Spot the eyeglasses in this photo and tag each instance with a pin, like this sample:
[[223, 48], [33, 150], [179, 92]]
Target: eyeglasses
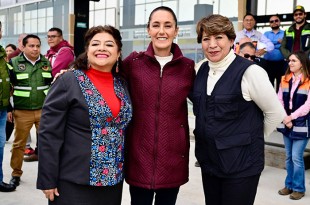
[[246, 55], [274, 21], [298, 14], [51, 36]]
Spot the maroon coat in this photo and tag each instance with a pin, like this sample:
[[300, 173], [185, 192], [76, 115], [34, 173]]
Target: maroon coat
[[158, 137]]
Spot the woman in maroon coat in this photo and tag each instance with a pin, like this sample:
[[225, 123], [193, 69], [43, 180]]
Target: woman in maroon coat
[[160, 80]]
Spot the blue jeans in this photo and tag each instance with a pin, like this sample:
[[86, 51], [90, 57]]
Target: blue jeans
[[2, 139], [295, 167]]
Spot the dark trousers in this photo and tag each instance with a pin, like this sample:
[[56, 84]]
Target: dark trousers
[[140, 196], [75, 194], [275, 70], [229, 191]]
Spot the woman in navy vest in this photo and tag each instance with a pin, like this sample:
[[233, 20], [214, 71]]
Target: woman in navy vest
[[294, 96], [235, 107]]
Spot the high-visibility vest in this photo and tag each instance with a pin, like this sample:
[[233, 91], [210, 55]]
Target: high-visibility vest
[[4, 81], [31, 82]]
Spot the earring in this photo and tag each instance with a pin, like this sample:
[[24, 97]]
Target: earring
[[117, 66]]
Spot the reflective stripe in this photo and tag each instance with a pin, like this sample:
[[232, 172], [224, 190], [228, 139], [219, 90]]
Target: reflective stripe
[[305, 32], [46, 75], [285, 90], [281, 126], [42, 87], [300, 129], [22, 76], [22, 88], [9, 66], [0, 80], [46, 91], [304, 92], [7, 79], [21, 93]]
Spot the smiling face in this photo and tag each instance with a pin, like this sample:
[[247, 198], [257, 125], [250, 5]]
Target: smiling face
[[294, 64], [299, 17], [162, 29], [216, 47], [102, 52]]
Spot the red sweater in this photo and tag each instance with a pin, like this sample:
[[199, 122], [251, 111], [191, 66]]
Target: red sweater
[[104, 83]]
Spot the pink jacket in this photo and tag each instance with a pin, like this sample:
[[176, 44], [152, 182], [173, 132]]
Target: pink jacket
[[60, 56], [157, 149]]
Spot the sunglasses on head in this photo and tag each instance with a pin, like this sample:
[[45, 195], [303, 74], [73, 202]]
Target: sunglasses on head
[[272, 21], [298, 14], [249, 56]]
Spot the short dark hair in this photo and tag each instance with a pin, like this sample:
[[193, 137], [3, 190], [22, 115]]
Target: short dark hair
[[81, 61], [11, 45], [249, 44], [25, 40], [249, 14], [58, 30]]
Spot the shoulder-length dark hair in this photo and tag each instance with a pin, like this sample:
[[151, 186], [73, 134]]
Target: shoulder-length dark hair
[[305, 63], [81, 62]]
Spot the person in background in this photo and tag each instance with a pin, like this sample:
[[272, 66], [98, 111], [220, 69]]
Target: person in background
[[4, 97], [294, 96], [83, 126], [61, 53], [247, 50], [10, 120], [19, 48], [275, 63], [297, 36], [261, 43], [235, 107], [159, 79], [30, 75], [10, 48]]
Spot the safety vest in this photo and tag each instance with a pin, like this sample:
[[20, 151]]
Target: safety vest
[[4, 81], [304, 38], [300, 129], [31, 82]]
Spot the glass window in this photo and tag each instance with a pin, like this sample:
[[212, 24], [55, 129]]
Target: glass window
[[111, 4], [171, 4], [140, 15], [91, 19], [7, 2], [188, 6], [99, 18], [100, 4], [270, 7], [3, 24], [110, 13], [149, 9]]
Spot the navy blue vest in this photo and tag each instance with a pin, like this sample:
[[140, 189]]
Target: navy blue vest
[[229, 130]]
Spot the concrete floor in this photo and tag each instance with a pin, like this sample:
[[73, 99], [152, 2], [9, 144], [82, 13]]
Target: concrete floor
[[191, 193]]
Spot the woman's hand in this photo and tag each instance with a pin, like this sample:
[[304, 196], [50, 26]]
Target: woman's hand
[[51, 193], [287, 119], [289, 125], [59, 74]]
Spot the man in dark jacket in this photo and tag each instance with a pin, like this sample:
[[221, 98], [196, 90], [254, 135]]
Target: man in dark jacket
[[297, 36]]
